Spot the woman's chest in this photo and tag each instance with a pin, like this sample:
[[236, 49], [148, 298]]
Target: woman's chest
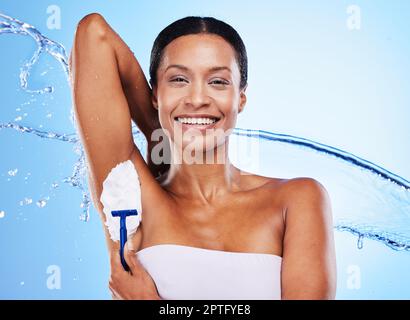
[[236, 224]]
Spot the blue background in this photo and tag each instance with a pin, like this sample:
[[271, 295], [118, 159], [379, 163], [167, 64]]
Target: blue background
[[309, 76]]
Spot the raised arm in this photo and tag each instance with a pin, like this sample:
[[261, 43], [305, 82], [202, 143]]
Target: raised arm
[[137, 92], [102, 69], [309, 263]]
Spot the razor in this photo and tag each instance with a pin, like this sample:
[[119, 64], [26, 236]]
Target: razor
[[123, 214]]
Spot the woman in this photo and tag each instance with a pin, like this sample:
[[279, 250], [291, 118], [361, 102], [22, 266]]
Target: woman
[[209, 230]]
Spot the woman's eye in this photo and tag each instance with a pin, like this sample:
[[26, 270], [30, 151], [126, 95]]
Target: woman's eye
[[219, 82], [178, 79]]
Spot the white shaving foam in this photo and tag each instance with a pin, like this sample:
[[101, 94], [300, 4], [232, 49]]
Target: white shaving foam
[[121, 191]]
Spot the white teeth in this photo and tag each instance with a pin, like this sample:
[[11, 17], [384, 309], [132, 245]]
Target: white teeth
[[196, 120]]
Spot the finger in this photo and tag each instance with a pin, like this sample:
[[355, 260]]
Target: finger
[[115, 260], [115, 295], [131, 258]]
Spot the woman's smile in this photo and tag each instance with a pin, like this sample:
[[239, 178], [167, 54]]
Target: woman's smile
[[197, 121]]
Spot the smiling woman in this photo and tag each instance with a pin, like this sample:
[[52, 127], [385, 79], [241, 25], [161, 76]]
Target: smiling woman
[[209, 230]]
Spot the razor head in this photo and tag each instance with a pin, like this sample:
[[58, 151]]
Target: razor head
[[124, 213]]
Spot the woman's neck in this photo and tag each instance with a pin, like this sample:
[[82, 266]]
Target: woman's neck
[[203, 182]]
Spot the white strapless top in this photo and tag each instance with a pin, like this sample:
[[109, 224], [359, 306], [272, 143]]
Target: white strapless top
[[182, 272]]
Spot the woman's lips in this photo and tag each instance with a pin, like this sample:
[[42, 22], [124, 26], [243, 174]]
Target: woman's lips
[[201, 127]]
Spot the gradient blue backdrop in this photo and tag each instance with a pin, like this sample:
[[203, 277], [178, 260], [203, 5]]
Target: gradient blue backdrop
[[309, 76]]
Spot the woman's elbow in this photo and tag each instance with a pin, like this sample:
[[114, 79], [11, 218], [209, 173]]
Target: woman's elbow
[[93, 26], [90, 31]]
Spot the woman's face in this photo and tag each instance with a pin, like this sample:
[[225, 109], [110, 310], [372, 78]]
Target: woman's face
[[198, 78]]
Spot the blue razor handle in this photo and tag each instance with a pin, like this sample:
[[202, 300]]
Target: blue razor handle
[[123, 214]]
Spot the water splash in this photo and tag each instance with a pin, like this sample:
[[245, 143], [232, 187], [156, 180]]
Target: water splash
[[368, 201], [26, 201], [44, 44], [42, 203]]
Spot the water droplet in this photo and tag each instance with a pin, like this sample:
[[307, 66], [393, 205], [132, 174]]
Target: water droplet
[[360, 242], [26, 201], [18, 109], [49, 115], [18, 118], [41, 203], [80, 259], [25, 115], [22, 283], [12, 172], [2, 214], [54, 185], [83, 217]]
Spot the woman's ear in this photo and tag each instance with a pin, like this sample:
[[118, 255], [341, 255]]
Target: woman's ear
[[242, 101], [154, 99]]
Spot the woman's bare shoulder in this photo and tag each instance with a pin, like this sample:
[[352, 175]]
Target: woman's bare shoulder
[[304, 194], [290, 190], [302, 185], [255, 181], [301, 182]]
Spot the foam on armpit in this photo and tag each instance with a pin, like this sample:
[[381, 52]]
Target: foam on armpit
[[121, 191]]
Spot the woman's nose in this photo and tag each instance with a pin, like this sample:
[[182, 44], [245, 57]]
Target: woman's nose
[[198, 95]]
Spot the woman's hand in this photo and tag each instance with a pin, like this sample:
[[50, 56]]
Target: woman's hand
[[134, 285]]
